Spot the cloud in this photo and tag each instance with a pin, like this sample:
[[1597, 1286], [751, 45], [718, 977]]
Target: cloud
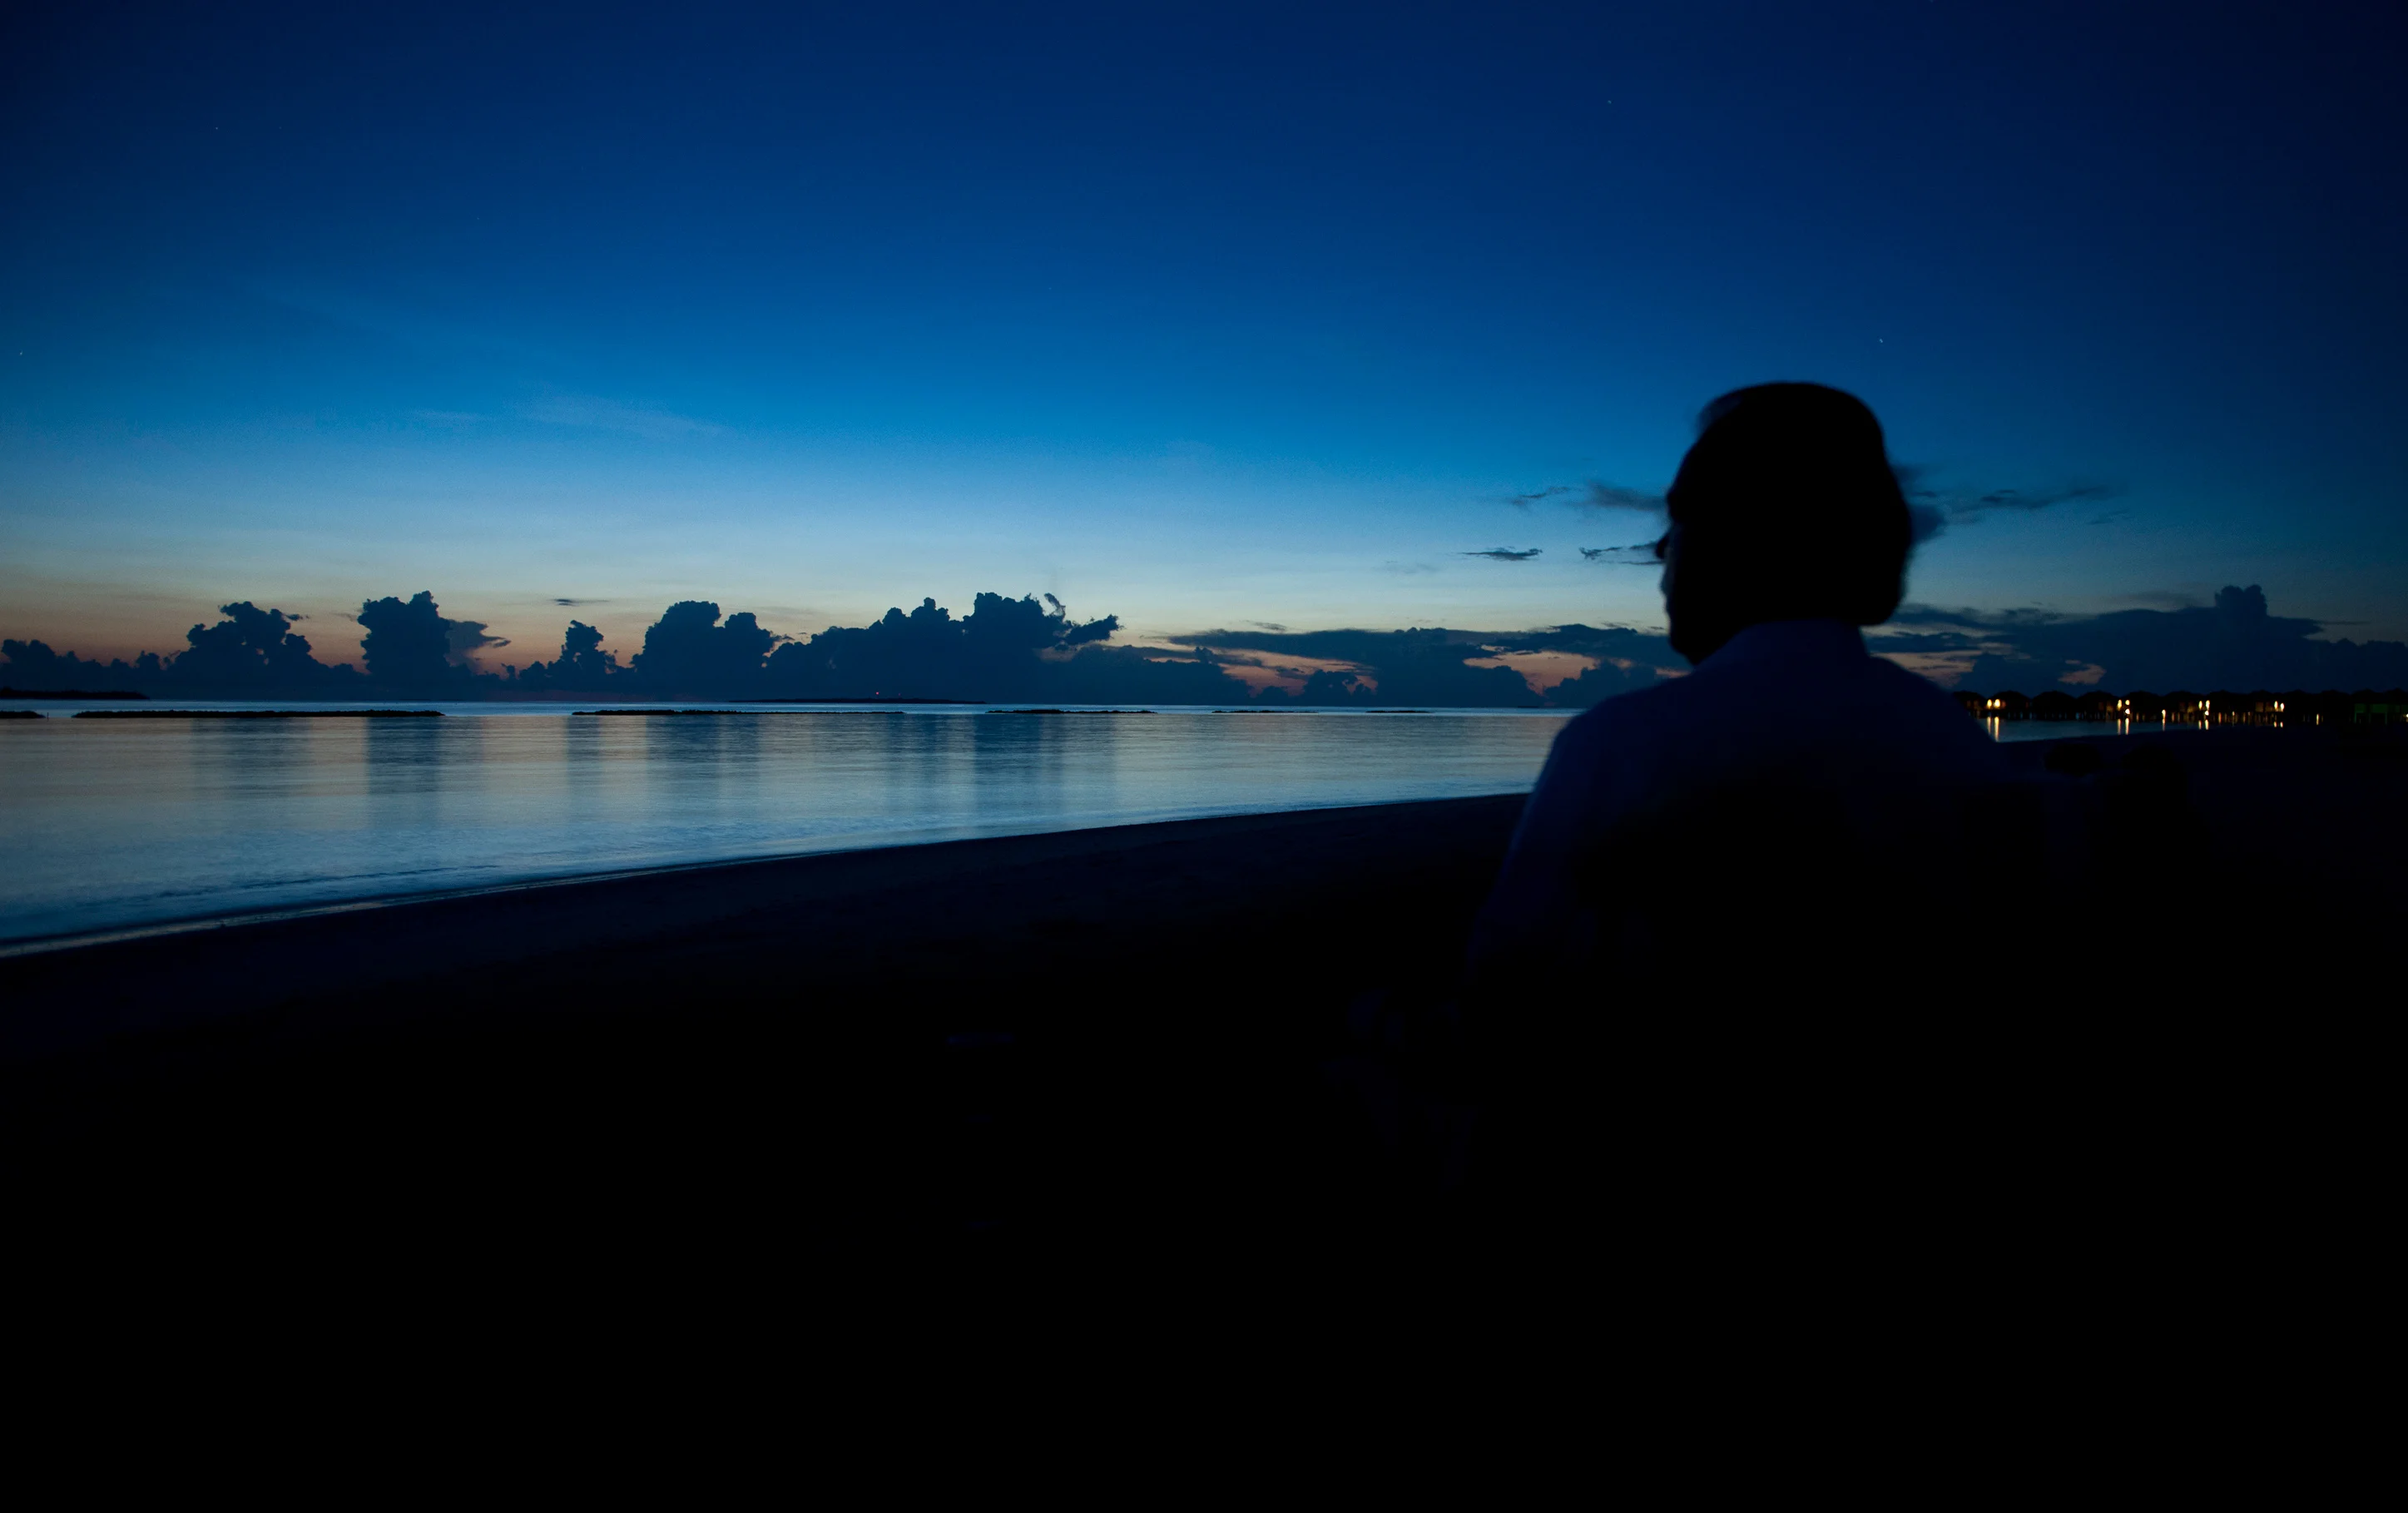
[[582, 666], [2009, 499], [1641, 555], [34, 666], [1443, 668], [688, 651], [1593, 495], [1375, 667], [1926, 518], [573, 603], [1506, 554], [465, 637], [592, 412], [1035, 649], [2234, 643], [1604, 496], [410, 646], [1932, 510], [1017, 649]]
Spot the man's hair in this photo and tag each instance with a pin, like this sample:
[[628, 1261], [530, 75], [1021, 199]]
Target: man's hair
[[1788, 509]]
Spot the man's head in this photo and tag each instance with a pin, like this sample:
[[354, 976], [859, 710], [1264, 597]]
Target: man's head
[[1786, 509]]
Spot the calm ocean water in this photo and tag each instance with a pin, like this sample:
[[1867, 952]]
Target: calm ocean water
[[110, 824], [107, 824]]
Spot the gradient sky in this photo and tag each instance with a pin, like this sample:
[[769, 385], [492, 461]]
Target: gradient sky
[[1203, 316]]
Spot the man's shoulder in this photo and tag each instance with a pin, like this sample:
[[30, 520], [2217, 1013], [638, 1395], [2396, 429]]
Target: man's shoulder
[[1624, 714], [1898, 683], [1910, 684], [1874, 701], [1936, 714]]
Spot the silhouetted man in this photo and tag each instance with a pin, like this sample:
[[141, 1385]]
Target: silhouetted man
[[1706, 992], [1728, 809]]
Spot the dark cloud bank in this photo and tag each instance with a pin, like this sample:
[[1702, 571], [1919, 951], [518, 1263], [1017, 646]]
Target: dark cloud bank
[[1029, 649], [2234, 643]]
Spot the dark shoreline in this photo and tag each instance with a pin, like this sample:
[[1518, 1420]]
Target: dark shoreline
[[2284, 807], [1026, 1034], [534, 919], [902, 1032]]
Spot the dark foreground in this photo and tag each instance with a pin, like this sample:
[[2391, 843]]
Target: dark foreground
[[964, 1042], [1098, 1037]]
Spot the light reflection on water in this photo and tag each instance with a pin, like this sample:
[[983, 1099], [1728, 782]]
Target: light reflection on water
[[106, 823], [111, 823], [2060, 729]]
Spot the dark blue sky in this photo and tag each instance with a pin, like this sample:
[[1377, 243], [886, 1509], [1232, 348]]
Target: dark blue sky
[[1200, 316]]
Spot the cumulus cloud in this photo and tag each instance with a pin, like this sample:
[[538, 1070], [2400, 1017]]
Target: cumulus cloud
[[410, 646], [1032, 648], [1004, 648], [689, 651], [465, 637], [36, 667], [582, 666]]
